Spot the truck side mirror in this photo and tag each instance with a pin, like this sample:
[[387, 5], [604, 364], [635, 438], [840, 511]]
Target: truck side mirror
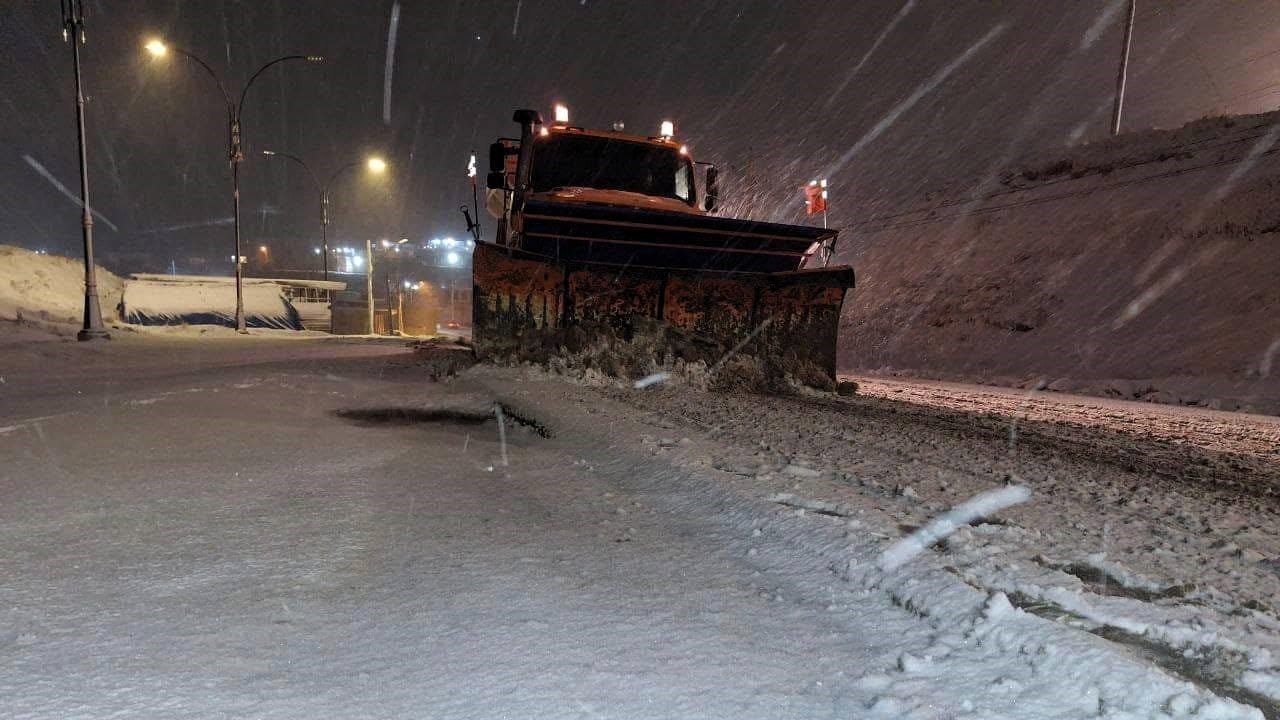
[[713, 189], [497, 157], [496, 180]]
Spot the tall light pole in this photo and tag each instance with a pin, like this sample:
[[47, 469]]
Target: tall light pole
[[73, 32], [234, 109], [1122, 76], [375, 165], [368, 280]]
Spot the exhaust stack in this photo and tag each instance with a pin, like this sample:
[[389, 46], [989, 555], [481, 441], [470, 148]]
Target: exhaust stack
[[528, 120]]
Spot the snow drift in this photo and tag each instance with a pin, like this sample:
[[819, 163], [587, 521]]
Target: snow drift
[[48, 290], [1143, 267]]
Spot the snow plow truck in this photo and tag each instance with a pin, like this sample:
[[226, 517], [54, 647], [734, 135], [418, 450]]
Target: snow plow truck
[[606, 248]]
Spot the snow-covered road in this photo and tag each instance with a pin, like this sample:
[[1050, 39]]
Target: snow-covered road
[[287, 528]]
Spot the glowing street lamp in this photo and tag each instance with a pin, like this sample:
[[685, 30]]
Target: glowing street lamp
[[374, 164], [159, 49]]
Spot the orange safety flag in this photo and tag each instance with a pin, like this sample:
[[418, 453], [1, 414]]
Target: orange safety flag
[[815, 198]]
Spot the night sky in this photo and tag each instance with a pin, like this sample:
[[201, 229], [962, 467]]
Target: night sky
[[891, 98]]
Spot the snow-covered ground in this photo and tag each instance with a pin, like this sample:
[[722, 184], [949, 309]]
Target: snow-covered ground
[[1151, 527], [245, 526]]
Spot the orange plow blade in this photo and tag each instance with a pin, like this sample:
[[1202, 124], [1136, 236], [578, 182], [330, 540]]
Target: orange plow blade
[[635, 321]]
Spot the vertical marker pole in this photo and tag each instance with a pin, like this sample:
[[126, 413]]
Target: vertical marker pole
[[502, 433], [823, 183], [826, 251]]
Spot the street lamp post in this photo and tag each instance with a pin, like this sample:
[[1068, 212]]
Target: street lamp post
[[375, 165], [236, 156], [73, 32]]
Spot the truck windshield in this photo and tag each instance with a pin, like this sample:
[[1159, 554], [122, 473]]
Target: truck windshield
[[562, 160]]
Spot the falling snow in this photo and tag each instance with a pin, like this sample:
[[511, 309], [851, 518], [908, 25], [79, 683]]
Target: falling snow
[[291, 524]]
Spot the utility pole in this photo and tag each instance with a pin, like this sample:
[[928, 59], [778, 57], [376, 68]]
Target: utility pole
[[1122, 77], [368, 278], [324, 229], [73, 32], [386, 282]]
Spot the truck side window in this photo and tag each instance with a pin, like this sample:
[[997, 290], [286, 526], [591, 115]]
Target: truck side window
[[683, 183]]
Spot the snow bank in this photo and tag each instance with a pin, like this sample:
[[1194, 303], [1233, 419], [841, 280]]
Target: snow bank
[[653, 353], [953, 648], [212, 301], [48, 290], [1168, 571]]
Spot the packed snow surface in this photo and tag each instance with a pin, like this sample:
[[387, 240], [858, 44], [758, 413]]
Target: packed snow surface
[[241, 526]]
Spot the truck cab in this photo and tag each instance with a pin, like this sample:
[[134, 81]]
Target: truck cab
[[572, 164], [580, 166]]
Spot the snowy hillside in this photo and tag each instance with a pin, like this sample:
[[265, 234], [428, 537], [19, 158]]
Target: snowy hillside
[[48, 290], [1143, 267]]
